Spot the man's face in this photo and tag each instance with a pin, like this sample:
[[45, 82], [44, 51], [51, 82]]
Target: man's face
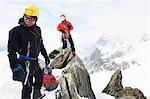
[[62, 18], [29, 20]]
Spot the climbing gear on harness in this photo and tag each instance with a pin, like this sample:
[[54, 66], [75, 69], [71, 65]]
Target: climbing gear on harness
[[58, 94], [27, 64]]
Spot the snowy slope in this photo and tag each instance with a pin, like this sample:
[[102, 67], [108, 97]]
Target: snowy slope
[[10, 89], [135, 76], [135, 55]]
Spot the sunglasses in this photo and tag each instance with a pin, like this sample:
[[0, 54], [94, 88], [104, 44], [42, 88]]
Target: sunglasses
[[30, 18]]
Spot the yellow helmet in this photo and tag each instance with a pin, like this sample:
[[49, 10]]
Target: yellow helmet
[[32, 10]]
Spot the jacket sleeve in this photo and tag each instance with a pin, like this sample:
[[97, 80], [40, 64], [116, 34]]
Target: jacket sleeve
[[13, 47], [71, 27], [43, 50], [59, 27]]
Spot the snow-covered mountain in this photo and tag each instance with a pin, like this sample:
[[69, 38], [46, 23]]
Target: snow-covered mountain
[[132, 58], [145, 37], [110, 55]]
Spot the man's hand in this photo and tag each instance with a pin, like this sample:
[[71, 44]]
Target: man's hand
[[68, 26], [61, 30], [18, 73], [47, 60]]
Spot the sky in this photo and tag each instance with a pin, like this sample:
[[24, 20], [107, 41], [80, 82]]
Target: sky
[[121, 20]]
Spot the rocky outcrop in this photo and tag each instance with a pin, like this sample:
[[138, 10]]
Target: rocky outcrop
[[75, 80], [115, 84], [61, 60], [115, 88]]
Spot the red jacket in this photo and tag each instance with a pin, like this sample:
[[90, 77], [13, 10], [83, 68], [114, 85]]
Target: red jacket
[[64, 26]]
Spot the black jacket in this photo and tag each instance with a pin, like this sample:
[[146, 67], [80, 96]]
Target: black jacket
[[19, 39]]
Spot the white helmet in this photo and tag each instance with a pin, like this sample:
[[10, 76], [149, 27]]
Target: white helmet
[[62, 17]]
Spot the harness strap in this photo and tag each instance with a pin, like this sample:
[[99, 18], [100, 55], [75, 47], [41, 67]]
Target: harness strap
[[27, 57]]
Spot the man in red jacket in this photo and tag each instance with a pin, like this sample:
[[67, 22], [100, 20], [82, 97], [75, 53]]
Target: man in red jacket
[[64, 27]]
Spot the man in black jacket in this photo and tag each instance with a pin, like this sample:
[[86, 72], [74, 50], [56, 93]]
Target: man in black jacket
[[26, 41]]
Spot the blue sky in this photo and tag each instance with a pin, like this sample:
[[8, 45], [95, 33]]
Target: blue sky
[[122, 20]]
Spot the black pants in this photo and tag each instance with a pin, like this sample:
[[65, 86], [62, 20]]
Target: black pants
[[36, 72], [70, 41]]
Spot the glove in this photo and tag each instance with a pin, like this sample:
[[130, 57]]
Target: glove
[[68, 26], [19, 73], [47, 60], [47, 70]]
